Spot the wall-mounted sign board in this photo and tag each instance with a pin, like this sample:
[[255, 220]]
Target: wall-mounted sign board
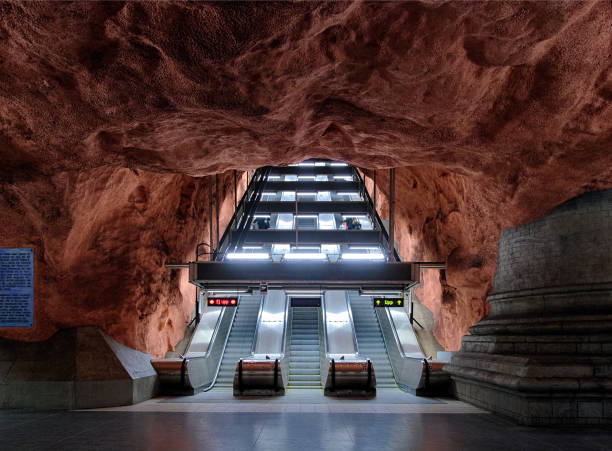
[[388, 302], [223, 302], [17, 287]]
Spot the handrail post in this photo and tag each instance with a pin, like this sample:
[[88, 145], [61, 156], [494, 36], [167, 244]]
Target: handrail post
[[240, 376], [374, 181], [333, 375], [369, 373], [392, 214], [276, 375], [183, 370], [210, 219]]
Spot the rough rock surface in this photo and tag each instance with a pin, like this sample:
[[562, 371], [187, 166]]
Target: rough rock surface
[[110, 112]]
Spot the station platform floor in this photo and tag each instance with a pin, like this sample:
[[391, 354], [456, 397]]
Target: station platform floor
[[302, 420]]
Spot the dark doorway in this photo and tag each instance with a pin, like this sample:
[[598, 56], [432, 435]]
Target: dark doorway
[[306, 302]]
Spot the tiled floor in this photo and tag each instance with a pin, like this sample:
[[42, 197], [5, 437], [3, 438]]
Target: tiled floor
[[216, 421]]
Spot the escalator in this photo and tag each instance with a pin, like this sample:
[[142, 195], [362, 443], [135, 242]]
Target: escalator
[[240, 341], [370, 340], [304, 371], [294, 230]]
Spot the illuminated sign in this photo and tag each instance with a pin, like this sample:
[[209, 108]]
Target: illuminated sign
[[223, 302], [388, 302]]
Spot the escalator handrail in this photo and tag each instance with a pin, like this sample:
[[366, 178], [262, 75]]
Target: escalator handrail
[[284, 339], [350, 314], [262, 301]]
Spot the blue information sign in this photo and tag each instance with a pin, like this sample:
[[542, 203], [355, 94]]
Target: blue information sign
[[17, 287]]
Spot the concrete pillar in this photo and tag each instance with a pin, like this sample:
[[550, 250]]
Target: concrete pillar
[[544, 354]]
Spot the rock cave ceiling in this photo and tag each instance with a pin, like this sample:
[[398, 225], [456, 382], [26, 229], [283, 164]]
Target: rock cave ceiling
[[112, 114]]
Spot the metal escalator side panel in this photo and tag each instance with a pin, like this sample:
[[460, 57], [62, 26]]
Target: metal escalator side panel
[[408, 370], [407, 339], [202, 337], [270, 327], [180, 376], [339, 330]]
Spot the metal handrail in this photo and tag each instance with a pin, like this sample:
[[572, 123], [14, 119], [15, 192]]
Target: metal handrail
[[324, 317], [258, 184], [375, 214], [283, 345], [213, 337], [262, 301], [350, 314], [239, 210], [214, 379]]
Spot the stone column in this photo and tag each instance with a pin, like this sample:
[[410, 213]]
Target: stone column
[[544, 354]]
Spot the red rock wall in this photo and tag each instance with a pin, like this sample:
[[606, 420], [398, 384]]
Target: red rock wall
[[495, 111], [101, 240]]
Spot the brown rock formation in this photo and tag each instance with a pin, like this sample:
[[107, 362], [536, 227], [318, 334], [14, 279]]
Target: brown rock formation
[[110, 113]]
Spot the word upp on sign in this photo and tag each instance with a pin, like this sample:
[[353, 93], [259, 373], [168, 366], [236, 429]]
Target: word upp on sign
[[388, 302]]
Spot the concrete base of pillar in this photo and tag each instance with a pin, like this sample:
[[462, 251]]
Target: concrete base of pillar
[[77, 368], [543, 409]]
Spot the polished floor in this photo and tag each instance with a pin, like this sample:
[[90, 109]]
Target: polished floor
[[300, 421]]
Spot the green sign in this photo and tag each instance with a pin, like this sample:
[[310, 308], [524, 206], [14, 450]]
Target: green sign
[[388, 302]]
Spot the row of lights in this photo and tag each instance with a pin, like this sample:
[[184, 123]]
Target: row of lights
[[374, 256]]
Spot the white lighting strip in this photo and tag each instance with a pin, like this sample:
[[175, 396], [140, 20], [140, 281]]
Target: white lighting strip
[[269, 193], [261, 216], [247, 256], [353, 193], [274, 177], [306, 194], [306, 164], [338, 164], [363, 256], [252, 247], [305, 256], [355, 216], [348, 178], [365, 248]]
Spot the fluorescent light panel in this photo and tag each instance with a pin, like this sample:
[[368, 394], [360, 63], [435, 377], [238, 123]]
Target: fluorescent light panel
[[248, 256], [363, 256], [305, 256]]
